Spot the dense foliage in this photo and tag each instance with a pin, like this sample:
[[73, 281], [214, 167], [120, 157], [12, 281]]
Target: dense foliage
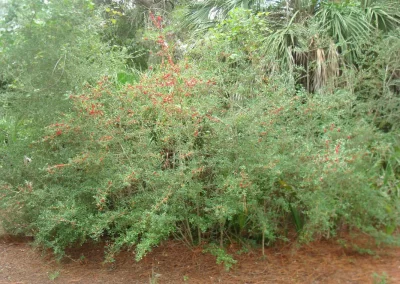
[[260, 128], [54, 47]]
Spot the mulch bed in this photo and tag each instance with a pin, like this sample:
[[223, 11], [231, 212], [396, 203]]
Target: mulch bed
[[324, 261]]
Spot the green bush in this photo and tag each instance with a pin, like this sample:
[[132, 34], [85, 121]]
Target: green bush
[[172, 155], [165, 156]]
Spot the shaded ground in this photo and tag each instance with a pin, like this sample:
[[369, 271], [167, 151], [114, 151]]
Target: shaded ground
[[319, 262]]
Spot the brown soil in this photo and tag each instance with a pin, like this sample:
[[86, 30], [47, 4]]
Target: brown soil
[[172, 262]]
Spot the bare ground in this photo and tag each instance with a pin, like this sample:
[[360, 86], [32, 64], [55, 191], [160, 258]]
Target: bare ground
[[318, 262]]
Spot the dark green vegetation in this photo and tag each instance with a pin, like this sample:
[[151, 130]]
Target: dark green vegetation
[[259, 121]]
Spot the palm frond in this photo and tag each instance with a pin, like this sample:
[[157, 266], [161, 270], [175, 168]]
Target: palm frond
[[347, 25], [333, 62], [320, 72], [282, 43], [383, 17], [205, 14]]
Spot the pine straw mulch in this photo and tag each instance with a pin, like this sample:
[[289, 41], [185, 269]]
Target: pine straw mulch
[[324, 261]]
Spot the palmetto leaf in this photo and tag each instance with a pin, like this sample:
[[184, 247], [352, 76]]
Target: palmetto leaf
[[383, 17], [347, 25], [281, 44], [204, 14]]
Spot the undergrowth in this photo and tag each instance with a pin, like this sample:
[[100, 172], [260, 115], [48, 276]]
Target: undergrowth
[[173, 155]]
